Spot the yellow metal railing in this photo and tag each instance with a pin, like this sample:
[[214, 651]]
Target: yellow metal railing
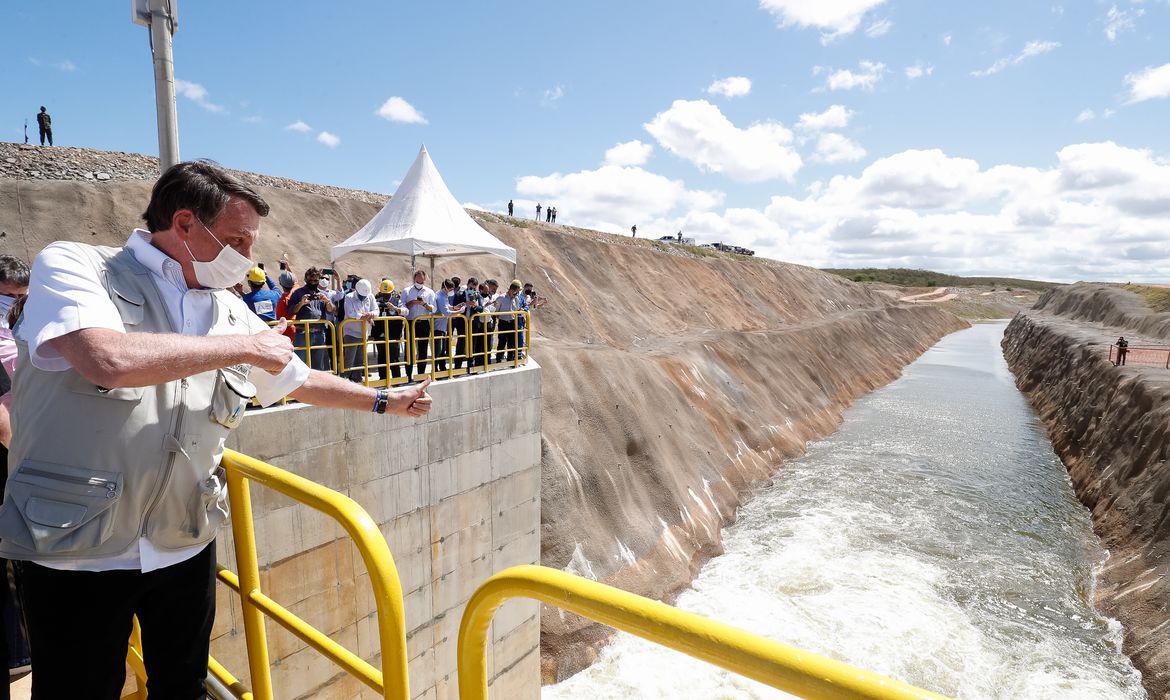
[[312, 353], [783, 667], [391, 681]]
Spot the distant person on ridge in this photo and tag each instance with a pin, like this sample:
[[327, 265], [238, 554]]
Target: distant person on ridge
[[45, 122], [1122, 351], [538, 212], [634, 231], [509, 207], [554, 218], [548, 215]]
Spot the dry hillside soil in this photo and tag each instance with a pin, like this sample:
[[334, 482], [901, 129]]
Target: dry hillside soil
[[1111, 427], [674, 382]]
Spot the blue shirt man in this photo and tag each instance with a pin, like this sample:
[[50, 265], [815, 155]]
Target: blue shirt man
[[263, 297]]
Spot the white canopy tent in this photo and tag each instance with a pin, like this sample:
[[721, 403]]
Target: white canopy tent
[[424, 219]]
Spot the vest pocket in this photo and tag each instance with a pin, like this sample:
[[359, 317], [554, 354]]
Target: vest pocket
[[59, 508], [231, 393], [80, 385]]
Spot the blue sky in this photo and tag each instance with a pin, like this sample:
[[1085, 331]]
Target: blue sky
[[1023, 138]]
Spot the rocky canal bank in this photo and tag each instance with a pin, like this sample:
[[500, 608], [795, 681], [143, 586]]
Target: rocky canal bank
[[1111, 427]]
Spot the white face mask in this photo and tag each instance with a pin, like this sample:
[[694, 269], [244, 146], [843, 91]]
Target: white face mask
[[223, 271], [6, 303], [418, 286]]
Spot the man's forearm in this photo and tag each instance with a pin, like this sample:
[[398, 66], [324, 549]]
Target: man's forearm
[[324, 389], [111, 359]]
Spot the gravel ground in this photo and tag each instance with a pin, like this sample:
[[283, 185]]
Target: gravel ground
[[29, 162]]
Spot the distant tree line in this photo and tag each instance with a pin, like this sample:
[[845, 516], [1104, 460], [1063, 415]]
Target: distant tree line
[[904, 277]]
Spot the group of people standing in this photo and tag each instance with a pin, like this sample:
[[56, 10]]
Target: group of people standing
[[433, 318], [550, 213]]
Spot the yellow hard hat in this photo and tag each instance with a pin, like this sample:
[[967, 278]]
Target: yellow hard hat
[[517, 283], [256, 275], [386, 287]]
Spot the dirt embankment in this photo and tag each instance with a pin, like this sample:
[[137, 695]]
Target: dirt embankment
[[674, 383], [1111, 427]]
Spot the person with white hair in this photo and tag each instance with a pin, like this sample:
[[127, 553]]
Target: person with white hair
[[419, 300], [358, 304]]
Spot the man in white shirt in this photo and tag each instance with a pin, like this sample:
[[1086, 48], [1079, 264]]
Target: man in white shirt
[[419, 300], [360, 307], [86, 335]]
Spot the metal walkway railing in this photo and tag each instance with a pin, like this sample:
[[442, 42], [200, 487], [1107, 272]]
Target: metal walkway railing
[[781, 666]]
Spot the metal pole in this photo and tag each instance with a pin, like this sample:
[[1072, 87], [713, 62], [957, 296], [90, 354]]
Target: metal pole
[[161, 22]]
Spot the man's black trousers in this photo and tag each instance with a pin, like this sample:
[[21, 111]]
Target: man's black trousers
[[79, 623]]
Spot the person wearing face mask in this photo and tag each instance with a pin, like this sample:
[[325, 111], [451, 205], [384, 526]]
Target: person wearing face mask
[[419, 300], [14, 274], [359, 304], [311, 303], [147, 360]]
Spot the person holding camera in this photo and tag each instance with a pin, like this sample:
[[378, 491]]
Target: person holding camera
[[387, 333], [419, 300], [311, 303]]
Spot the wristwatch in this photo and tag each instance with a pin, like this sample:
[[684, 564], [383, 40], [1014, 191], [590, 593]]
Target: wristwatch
[[381, 400]]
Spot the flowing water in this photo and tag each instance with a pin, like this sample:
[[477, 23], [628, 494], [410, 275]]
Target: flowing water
[[934, 538]]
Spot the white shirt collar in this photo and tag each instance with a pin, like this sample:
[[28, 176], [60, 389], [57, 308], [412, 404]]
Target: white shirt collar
[[153, 259]]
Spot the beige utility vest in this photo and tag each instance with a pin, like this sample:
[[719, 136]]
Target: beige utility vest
[[90, 469]]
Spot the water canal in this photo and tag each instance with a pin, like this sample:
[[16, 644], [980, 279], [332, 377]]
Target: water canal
[[934, 538]]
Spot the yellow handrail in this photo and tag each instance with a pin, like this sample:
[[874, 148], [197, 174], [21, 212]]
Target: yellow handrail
[[391, 681], [778, 665]]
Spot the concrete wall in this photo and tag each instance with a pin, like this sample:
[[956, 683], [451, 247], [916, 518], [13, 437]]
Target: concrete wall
[[457, 496]]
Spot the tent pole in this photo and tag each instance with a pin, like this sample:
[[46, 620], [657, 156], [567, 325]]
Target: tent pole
[[433, 272], [514, 271]]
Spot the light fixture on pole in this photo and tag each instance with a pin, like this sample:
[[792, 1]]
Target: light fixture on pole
[[161, 16]]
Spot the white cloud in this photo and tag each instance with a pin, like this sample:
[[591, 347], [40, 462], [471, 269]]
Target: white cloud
[[697, 131], [1149, 84], [397, 109], [65, 66], [868, 74], [1032, 48], [34, 61], [835, 18], [1118, 21], [919, 70], [879, 28], [628, 153], [1086, 115], [735, 86], [1100, 211], [612, 197], [947, 39], [328, 139], [299, 127], [252, 119], [835, 117], [197, 94], [835, 148], [553, 94]]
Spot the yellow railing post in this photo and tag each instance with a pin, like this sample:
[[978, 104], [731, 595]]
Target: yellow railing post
[[781, 666], [244, 537], [392, 681]]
